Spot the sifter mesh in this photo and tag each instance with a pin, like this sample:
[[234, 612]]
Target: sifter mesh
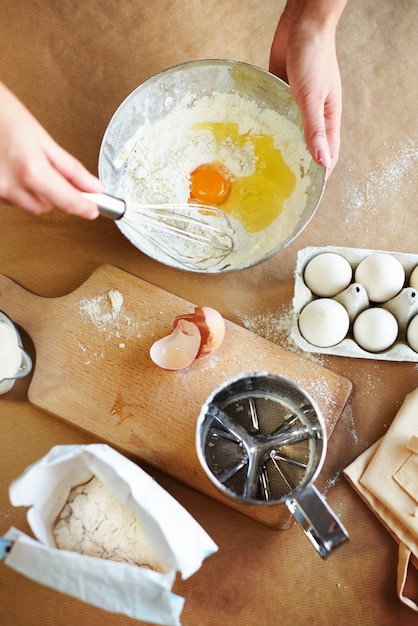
[[259, 444]]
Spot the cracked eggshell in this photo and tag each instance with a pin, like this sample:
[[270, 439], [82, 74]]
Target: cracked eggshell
[[324, 322], [179, 349], [382, 275], [195, 335], [327, 274], [211, 325]]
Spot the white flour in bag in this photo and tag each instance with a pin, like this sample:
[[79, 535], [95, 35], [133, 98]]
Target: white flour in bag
[[158, 168], [94, 522]]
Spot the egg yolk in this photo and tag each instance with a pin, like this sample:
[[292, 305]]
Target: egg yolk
[[209, 185], [255, 200]]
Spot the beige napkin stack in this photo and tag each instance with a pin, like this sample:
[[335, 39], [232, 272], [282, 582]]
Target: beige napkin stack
[[386, 476]]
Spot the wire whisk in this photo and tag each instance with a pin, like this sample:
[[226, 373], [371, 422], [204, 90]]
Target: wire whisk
[[196, 236]]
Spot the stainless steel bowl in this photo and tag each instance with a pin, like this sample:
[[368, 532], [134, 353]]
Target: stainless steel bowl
[[152, 101]]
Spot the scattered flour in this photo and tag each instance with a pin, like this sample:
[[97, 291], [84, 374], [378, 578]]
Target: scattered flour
[[102, 309], [276, 326], [158, 168], [107, 315], [390, 186], [331, 482]]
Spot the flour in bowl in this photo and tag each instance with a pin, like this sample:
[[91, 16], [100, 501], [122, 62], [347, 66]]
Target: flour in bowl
[[159, 167]]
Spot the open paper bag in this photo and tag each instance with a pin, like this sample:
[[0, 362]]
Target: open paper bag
[[178, 541]]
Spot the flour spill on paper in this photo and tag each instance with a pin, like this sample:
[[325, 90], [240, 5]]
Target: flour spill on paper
[[392, 184], [7, 513], [276, 326]]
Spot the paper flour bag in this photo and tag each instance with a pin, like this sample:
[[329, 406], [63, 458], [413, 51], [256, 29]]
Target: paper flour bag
[[106, 533]]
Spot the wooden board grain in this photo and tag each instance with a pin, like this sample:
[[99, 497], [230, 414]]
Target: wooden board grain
[[93, 370]]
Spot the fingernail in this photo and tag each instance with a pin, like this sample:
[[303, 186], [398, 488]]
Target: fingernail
[[323, 157]]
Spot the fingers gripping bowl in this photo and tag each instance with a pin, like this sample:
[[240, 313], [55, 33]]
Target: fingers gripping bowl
[[217, 132]]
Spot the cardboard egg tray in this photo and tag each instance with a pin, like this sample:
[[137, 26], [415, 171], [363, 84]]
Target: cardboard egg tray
[[399, 351]]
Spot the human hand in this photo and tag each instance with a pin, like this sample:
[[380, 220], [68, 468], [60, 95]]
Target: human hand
[[303, 54], [36, 174]]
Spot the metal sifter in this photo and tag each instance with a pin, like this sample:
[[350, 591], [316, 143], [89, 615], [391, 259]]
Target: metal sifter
[[262, 440]]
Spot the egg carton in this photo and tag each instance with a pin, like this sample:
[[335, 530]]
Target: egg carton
[[399, 351]]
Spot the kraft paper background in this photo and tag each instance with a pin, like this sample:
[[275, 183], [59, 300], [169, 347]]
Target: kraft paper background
[[72, 63]]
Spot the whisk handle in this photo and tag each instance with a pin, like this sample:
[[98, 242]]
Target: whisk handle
[[109, 206]]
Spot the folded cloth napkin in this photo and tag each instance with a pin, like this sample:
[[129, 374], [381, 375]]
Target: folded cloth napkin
[[386, 476]]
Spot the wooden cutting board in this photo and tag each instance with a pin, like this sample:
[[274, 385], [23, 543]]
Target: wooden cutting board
[[93, 370]]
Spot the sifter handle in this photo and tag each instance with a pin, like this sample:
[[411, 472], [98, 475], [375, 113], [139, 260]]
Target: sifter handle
[[317, 520]]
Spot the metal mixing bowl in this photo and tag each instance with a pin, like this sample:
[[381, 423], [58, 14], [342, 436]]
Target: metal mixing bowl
[[152, 101]]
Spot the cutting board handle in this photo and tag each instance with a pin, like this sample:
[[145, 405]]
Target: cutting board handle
[[23, 307]]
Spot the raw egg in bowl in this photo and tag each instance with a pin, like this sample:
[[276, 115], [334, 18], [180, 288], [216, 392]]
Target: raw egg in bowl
[[220, 133]]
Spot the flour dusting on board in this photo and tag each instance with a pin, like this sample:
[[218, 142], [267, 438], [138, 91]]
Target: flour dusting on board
[[107, 315], [102, 309]]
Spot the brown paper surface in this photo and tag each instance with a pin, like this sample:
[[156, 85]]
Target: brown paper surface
[[72, 63]]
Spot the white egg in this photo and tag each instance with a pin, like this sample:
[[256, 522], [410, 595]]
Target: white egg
[[412, 333], [382, 275], [324, 322], [413, 281], [375, 329], [327, 274]]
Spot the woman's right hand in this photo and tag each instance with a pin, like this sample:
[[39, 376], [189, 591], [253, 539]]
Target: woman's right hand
[[36, 174]]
